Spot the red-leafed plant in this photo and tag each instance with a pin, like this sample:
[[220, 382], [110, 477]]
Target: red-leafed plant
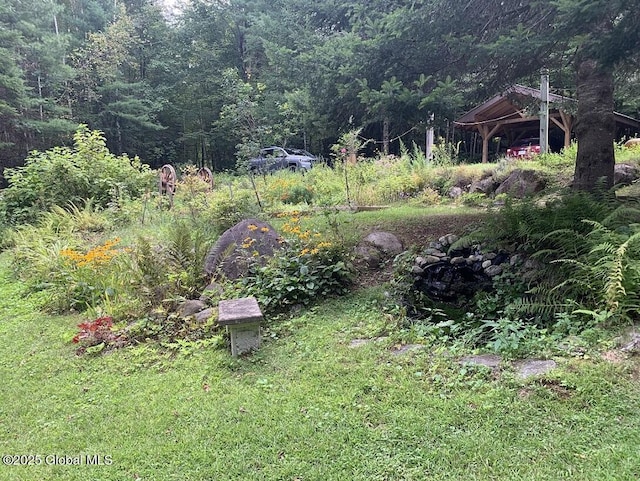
[[96, 333]]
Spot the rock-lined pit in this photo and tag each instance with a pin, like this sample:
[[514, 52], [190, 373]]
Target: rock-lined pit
[[445, 273]]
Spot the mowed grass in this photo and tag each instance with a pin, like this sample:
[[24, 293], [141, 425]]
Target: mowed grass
[[307, 406]]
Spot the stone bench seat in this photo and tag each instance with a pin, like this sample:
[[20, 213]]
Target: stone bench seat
[[242, 319]]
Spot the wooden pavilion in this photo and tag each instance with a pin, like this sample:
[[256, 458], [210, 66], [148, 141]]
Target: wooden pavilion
[[515, 113]]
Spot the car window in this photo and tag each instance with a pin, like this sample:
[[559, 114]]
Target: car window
[[266, 153]]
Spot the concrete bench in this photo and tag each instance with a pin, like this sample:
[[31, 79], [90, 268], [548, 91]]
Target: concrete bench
[[242, 319]]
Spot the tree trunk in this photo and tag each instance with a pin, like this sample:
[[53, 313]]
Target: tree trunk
[[595, 126]]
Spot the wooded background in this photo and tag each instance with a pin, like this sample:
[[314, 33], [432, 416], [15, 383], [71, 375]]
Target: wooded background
[[212, 82]]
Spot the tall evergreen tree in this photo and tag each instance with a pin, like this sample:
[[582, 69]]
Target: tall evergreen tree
[[33, 79]]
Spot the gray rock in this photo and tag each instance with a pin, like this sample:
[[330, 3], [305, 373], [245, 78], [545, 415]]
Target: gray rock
[[399, 350], [377, 247], [531, 264], [458, 260], [386, 242], [236, 249], [428, 260], [521, 183], [455, 192], [420, 261], [189, 308], [484, 186], [489, 360], [632, 343], [532, 367], [516, 259], [369, 255], [358, 343], [490, 256], [204, 316], [417, 270], [625, 174], [452, 239], [447, 240], [486, 264], [493, 271]]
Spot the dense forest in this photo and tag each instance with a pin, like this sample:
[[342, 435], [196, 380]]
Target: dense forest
[[210, 82]]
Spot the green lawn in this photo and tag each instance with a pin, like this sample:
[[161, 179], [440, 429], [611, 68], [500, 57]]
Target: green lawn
[[306, 407]]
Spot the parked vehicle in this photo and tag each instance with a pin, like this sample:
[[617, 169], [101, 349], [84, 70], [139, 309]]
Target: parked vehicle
[[277, 158], [524, 148]]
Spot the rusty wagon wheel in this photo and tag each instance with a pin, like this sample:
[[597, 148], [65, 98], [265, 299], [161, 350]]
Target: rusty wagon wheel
[[207, 176], [168, 179]]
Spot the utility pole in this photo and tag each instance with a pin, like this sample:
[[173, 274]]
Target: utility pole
[[544, 111]]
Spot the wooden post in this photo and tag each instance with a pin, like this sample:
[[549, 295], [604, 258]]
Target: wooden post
[[544, 111], [486, 135], [566, 124]]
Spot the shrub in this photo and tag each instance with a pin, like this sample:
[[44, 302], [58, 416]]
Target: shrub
[[289, 188], [307, 269], [526, 224], [427, 197], [86, 280], [65, 176], [225, 208]]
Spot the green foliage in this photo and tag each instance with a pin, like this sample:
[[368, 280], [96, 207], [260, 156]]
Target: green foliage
[[501, 320], [292, 278], [63, 176], [314, 396], [577, 270], [605, 277], [227, 207], [526, 224], [185, 252], [288, 188], [473, 198], [305, 270], [445, 153]]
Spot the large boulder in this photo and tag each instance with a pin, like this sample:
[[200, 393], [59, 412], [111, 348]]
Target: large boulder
[[521, 183], [249, 241], [632, 144], [484, 186], [377, 247]]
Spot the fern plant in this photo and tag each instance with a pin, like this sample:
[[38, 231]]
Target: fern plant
[[186, 253], [610, 271]]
